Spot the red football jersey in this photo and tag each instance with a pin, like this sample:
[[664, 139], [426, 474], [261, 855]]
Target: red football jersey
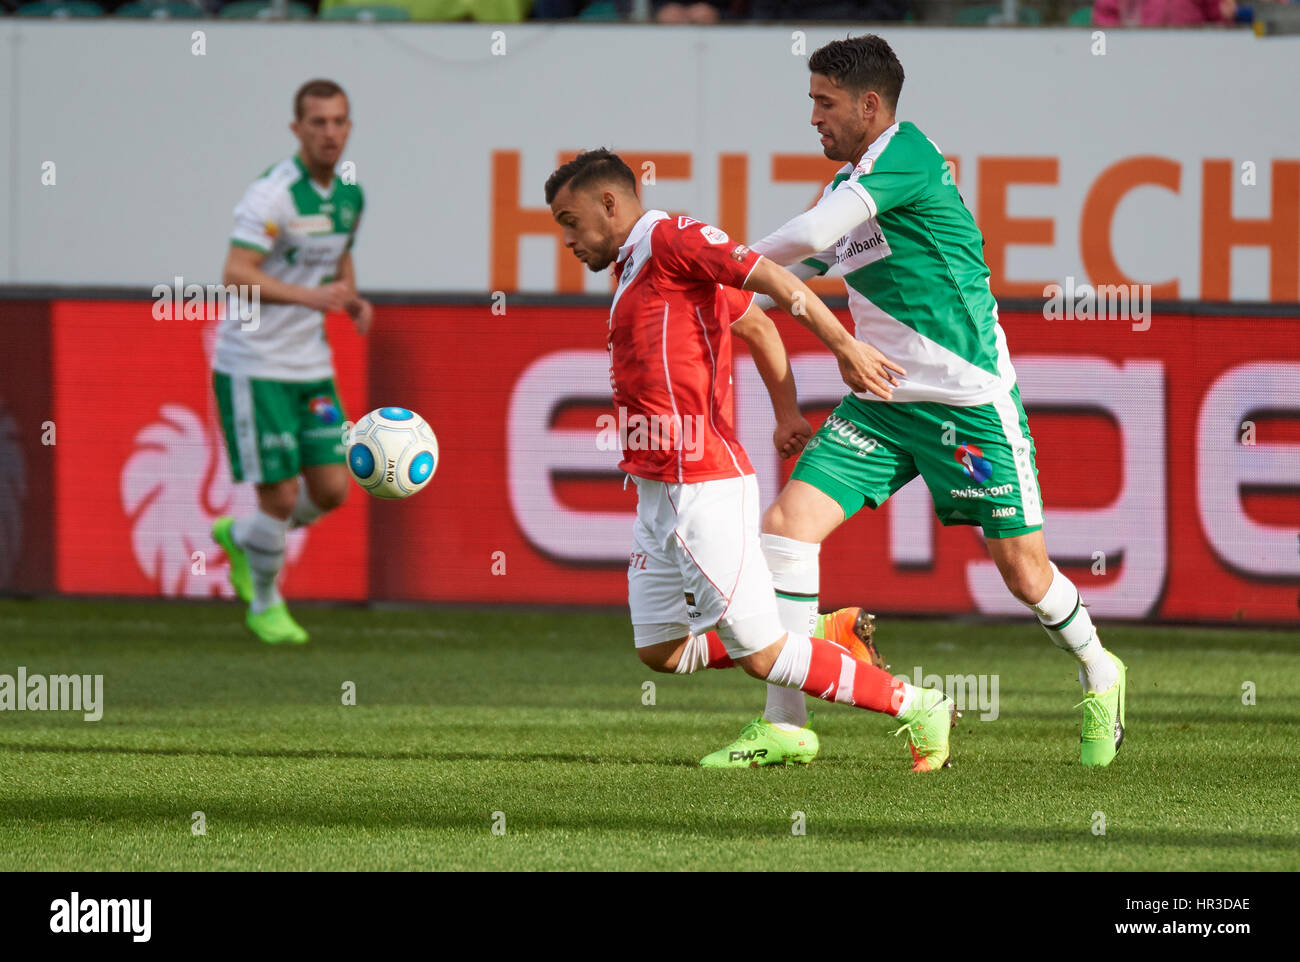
[[670, 349]]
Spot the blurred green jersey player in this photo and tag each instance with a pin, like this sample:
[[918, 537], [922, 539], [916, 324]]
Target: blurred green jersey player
[[273, 373]]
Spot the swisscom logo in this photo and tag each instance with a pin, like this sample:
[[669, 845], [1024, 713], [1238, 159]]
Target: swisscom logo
[[973, 462]]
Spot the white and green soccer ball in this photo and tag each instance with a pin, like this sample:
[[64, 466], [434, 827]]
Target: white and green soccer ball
[[392, 452]]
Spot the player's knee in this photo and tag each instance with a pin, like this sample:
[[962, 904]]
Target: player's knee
[[758, 664], [1028, 583], [330, 498], [278, 500], [656, 657], [775, 519]]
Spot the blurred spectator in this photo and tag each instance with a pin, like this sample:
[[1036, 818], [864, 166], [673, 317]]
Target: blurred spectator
[[693, 11], [1162, 13], [863, 11]]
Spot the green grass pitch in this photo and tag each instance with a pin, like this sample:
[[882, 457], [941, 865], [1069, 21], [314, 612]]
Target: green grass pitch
[[461, 714]]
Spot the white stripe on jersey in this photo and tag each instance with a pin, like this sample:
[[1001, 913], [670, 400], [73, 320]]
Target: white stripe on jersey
[[668, 379], [713, 381]]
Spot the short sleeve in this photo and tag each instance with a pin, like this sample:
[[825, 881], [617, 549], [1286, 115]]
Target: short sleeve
[[699, 252], [257, 218], [735, 302]]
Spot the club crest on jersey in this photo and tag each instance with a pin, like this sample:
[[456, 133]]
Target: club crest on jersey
[[973, 462]]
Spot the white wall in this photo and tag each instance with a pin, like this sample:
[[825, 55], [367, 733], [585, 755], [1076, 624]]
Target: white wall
[[153, 145]]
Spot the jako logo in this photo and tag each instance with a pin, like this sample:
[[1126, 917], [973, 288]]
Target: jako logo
[[102, 916], [973, 462]]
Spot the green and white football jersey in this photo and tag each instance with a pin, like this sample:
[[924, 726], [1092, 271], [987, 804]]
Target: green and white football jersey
[[917, 283], [304, 230]]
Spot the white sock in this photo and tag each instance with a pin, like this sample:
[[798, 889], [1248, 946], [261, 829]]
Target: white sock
[[790, 670], [795, 575], [305, 510], [1066, 622], [262, 538]]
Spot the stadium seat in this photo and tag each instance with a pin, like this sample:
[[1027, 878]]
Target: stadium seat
[[160, 10], [261, 10], [981, 15], [1080, 18], [365, 13], [60, 9]]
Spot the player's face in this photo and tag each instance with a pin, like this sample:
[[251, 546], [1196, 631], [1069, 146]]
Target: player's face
[[323, 130], [586, 224], [837, 115]]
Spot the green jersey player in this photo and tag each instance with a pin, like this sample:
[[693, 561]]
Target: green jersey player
[[273, 373], [950, 410]]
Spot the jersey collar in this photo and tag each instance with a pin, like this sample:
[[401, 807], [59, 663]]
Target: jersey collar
[[638, 232]]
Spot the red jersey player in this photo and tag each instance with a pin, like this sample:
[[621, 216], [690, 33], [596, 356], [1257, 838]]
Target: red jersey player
[[697, 561]]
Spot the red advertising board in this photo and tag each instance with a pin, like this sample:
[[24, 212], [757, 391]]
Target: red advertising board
[[1169, 461], [141, 470]]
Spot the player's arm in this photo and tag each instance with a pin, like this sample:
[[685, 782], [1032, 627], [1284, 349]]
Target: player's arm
[[861, 365], [814, 232], [358, 308], [244, 267], [766, 347]]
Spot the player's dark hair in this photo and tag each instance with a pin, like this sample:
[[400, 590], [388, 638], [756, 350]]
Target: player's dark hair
[[315, 88], [598, 166], [860, 64]]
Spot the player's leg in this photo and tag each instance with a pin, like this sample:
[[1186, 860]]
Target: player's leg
[[322, 452], [983, 472], [848, 463], [1042, 587], [729, 581], [325, 488], [260, 423]]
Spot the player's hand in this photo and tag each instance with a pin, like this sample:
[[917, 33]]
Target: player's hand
[[331, 297], [362, 313], [866, 369], [791, 436]]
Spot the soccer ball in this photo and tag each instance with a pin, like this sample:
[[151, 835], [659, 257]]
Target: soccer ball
[[392, 452]]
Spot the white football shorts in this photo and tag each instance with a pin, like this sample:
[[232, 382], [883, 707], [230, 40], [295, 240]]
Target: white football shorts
[[697, 563]]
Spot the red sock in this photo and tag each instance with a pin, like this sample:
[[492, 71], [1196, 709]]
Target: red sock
[[835, 675], [718, 657]]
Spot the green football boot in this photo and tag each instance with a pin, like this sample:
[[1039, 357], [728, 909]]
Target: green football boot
[[241, 578], [928, 724], [1103, 721], [276, 626], [761, 743]]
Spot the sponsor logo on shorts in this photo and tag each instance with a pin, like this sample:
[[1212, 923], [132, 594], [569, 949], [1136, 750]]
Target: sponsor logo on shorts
[[323, 406], [690, 599], [973, 462], [283, 441], [993, 492], [845, 432], [1004, 512]]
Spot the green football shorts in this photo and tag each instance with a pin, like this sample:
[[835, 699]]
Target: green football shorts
[[978, 462], [275, 428]]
